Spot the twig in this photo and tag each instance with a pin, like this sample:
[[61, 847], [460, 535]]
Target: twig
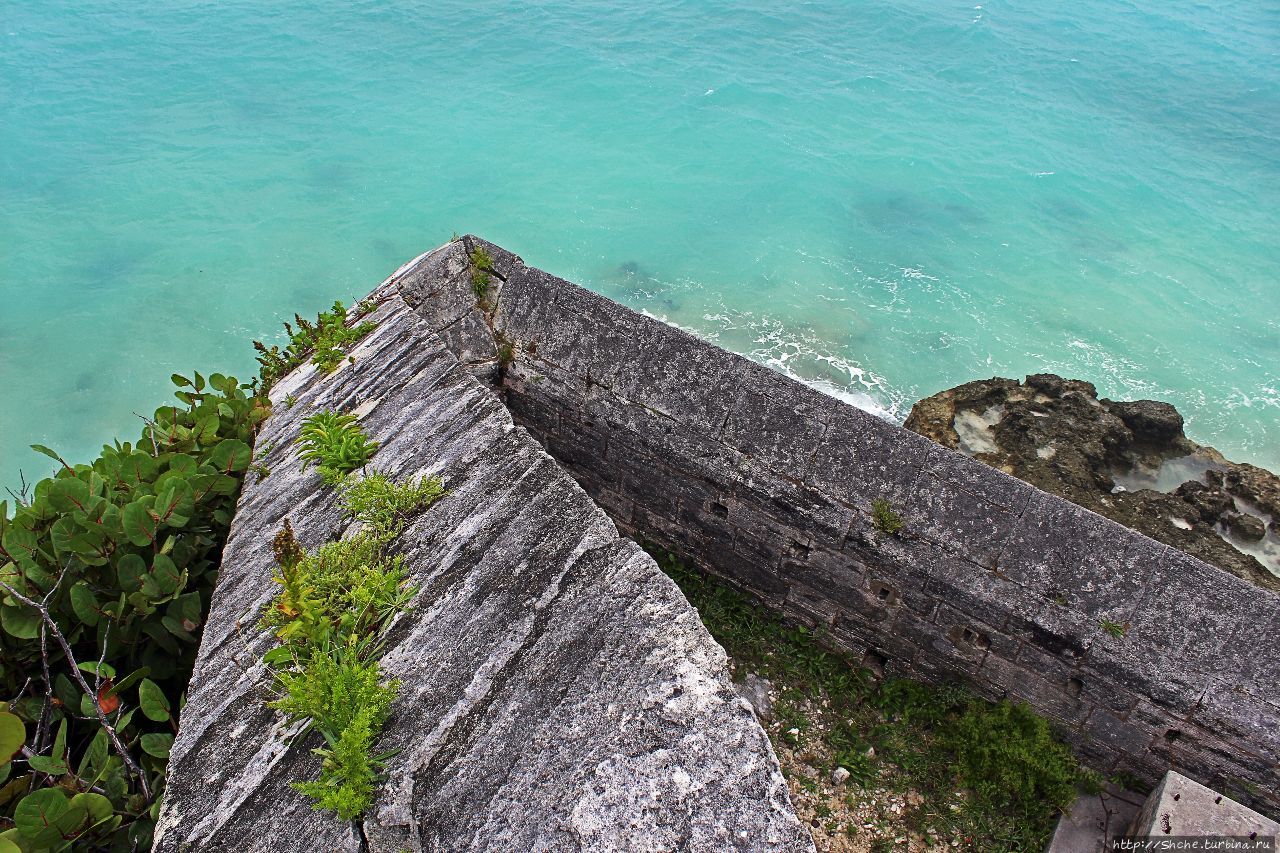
[[155, 448], [42, 726], [20, 496], [84, 685]]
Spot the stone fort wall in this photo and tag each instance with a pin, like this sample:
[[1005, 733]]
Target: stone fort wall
[[1144, 658]]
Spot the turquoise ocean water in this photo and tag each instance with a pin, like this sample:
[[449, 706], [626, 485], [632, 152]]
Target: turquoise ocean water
[[887, 198]]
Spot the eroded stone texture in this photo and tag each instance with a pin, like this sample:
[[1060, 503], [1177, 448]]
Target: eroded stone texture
[[1144, 658], [1182, 806], [1129, 461], [558, 692]]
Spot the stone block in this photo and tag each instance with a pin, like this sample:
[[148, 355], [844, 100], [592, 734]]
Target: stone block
[[775, 420], [861, 458], [1052, 700], [966, 511], [1182, 806], [438, 286]]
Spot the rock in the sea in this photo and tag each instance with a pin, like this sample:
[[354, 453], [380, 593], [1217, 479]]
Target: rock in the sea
[[557, 691], [1150, 420], [1248, 527], [1129, 461]]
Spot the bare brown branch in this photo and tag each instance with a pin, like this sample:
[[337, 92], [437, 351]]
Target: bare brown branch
[[43, 609]]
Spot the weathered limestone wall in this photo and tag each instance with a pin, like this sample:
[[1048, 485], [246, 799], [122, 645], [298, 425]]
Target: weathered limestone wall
[[769, 483], [558, 692]]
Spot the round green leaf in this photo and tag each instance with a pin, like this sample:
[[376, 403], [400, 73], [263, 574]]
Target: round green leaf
[[46, 764], [13, 734], [231, 455], [153, 701], [130, 572], [140, 524], [137, 468], [98, 806], [37, 816], [20, 621], [85, 604], [157, 744], [68, 493], [164, 579], [21, 543], [92, 667], [174, 505]]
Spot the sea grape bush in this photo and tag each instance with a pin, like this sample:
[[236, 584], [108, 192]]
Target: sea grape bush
[[106, 573], [122, 554]]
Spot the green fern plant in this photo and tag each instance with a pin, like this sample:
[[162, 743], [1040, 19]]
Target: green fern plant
[[327, 341], [335, 444], [345, 699], [331, 611]]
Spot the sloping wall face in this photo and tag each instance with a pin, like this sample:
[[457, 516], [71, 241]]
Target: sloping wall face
[[557, 691], [1145, 658]]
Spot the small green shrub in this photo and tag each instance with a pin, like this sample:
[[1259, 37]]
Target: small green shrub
[[376, 501], [331, 610], [481, 274], [345, 699], [884, 519], [327, 341], [1007, 755], [335, 444]]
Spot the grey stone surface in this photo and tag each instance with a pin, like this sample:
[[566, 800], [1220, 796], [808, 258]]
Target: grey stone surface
[[558, 692], [1094, 820], [759, 695], [1182, 806], [769, 484]]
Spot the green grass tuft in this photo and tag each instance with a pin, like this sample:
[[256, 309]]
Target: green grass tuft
[[932, 739], [884, 519], [376, 501], [481, 275]]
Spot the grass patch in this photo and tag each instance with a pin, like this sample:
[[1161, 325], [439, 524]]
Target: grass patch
[[884, 519], [1013, 776], [376, 501], [481, 275]]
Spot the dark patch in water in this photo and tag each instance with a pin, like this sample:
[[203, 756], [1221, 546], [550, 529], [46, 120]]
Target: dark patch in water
[[87, 381], [114, 265]]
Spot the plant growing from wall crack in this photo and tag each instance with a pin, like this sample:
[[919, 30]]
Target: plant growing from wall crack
[[326, 341], [332, 609], [336, 444], [884, 519], [481, 275]]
